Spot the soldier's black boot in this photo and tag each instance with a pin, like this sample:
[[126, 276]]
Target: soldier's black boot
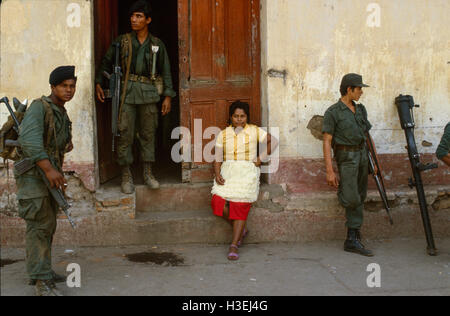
[[353, 243], [57, 278], [46, 288]]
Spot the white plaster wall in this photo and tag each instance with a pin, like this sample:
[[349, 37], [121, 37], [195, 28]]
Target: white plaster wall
[[318, 41], [35, 38]]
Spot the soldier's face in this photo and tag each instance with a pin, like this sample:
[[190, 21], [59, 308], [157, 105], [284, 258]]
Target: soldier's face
[[139, 21], [355, 94], [65, 90], [239, 118]]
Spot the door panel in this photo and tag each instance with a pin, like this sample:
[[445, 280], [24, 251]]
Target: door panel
[[219, 62]]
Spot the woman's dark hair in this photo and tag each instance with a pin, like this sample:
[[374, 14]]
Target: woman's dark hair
[[343, 90], [239, 105], [141, 6]]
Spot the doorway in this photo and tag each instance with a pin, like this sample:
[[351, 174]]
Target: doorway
[[112, 19]]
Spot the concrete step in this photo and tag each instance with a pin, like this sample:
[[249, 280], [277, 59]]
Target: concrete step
[[274, 218], [189, 197], [174, 197], [181, 227]]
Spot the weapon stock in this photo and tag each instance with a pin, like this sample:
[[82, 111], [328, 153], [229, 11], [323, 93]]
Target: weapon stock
[[26, 164], [405, 105]]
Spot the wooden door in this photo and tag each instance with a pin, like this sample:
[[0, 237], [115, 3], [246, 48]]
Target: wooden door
[[219, 64], [106, 30]]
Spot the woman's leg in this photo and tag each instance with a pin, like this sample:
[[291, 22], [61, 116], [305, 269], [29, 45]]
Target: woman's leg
[[226, 215], [238, 228]]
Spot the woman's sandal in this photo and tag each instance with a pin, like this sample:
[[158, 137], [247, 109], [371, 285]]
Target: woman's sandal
[[244, 234], [233, 256]]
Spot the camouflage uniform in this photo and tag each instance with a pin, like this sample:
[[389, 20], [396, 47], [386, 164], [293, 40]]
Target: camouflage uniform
[[36, 205], [139, 112]]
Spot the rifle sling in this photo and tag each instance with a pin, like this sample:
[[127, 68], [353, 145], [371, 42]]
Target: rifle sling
[[51, 129]]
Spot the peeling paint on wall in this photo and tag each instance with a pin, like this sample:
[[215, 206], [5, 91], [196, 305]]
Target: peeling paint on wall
[[317, 43], [35, 39]]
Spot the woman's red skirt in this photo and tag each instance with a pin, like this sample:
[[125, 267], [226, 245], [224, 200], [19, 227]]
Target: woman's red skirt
[[238, 211]]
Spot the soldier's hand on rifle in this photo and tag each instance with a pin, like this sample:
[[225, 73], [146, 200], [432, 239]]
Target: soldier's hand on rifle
[[166, 106], [53, 176], [100, 93]]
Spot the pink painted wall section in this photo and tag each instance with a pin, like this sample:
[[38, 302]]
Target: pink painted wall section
[[85, 171], [309, 175]]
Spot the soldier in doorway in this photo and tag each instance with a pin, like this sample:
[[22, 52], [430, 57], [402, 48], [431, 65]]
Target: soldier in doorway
[[138, 110], [344, 127]]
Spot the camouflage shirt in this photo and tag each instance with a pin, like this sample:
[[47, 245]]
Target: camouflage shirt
[[141, 65], [33, 134]]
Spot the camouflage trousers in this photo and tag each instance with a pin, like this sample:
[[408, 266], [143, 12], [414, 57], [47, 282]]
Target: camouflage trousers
[[40, 216], [353, 172], [140, 121]]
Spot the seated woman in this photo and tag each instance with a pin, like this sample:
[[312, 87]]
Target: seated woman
[[236, 168]]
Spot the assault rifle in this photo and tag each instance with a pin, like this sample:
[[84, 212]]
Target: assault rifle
[[373, 162], [114, 93], [405, 105], [26, 165]]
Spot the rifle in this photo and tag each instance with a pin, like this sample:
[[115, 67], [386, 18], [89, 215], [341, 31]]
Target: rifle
[[16, 122], [373, 162], [114, 92], [405, 105], [26, 164]]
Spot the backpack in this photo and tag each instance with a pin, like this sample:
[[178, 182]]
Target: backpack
[[7, 131]]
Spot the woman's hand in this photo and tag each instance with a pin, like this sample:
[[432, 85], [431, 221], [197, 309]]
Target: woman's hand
[[220, 180]]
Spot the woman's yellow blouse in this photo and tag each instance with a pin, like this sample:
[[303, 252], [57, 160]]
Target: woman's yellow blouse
[[241, 146]]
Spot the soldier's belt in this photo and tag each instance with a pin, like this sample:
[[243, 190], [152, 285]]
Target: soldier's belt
[[142, 79], [351, 148]]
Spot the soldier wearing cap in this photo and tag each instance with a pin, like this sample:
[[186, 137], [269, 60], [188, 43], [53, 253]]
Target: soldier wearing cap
[[45, 135], [143, 56], [443, 150], [344, 128]]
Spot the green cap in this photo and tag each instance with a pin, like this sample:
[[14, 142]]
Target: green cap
[[352, 80]]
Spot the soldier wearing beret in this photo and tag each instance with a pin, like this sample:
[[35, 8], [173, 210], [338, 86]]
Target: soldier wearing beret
[[45, 135], [142, 56], [344, 128], [443, 150]]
